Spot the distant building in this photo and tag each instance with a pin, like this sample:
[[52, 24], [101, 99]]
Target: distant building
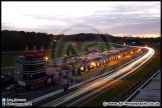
[[132, 40]]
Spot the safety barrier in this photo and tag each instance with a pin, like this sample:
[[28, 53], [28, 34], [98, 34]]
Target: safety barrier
[[139, 84]]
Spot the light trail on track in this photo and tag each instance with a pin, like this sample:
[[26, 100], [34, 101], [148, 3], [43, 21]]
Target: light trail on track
[[92, 85]]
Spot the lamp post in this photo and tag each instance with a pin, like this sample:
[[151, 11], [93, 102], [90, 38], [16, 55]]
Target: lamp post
[[128, 90], [84, 56], [17, 89]]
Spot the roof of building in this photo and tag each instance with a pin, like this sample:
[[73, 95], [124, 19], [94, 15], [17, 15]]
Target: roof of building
[[34, 53]]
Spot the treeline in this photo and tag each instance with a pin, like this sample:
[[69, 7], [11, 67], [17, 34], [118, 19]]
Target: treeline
[[81, 37], [18, 40]]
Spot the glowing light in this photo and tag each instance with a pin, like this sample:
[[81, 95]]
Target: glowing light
[[82, 68], [46, 58], [98, 64], [131, 52], [118, 56], [92, 63], [65, 55]]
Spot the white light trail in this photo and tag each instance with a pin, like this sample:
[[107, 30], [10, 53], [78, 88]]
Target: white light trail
[[78, 92]]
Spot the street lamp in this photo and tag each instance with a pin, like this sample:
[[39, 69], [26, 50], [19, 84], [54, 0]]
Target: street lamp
[[17, 89]]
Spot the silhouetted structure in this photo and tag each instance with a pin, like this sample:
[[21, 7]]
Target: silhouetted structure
[[132, 40]]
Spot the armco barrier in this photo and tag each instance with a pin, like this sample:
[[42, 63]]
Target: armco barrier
[[61, 90], [141, 82]]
